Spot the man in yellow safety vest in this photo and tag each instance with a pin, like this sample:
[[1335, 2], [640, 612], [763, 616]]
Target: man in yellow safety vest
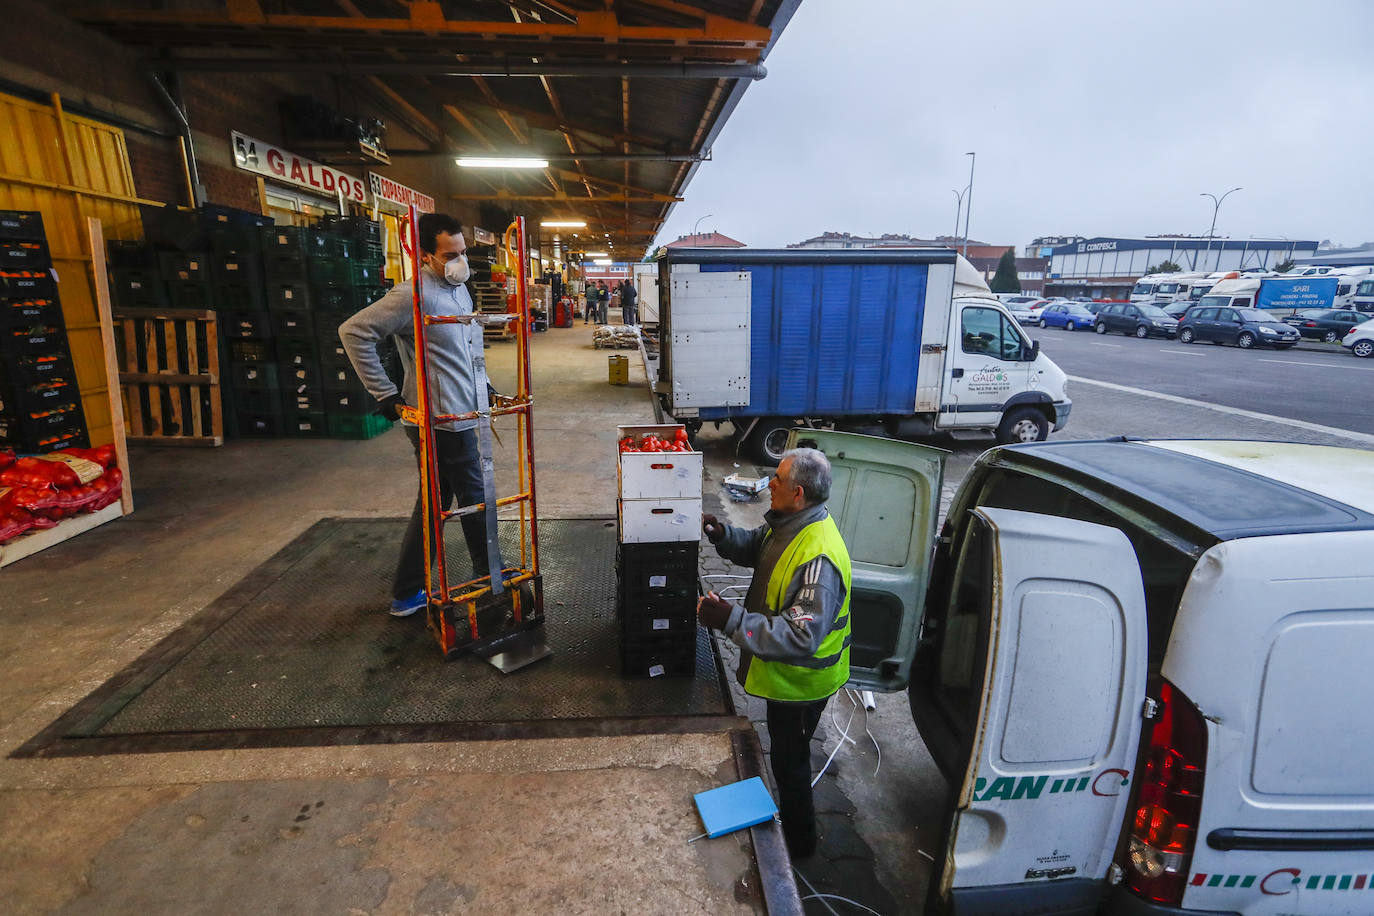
[[793, 628]]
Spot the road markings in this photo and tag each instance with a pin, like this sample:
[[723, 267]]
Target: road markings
[[1096, 344], [1233, 411], [1299, 362], [1182, 353]]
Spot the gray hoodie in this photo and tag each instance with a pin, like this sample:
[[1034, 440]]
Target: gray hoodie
[[450, 347], [811, 604]]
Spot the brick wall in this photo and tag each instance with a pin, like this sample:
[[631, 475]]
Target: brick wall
[[157, 168]]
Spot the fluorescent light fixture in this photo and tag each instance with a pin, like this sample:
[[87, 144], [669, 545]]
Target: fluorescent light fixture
[[563, 224], [597, 254], [479, 162], [603, 262]]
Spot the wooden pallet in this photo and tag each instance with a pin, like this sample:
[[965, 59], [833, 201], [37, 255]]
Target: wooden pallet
[[170, 377]]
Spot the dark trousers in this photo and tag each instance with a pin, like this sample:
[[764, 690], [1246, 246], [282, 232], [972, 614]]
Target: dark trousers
[[460, 474], [627, 314], [790, 727]]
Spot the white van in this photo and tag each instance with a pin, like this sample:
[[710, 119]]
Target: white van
[[1363, 298], [1142, 666], [1162, 289]]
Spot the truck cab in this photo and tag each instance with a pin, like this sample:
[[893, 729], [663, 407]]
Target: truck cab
[[1141, 666]]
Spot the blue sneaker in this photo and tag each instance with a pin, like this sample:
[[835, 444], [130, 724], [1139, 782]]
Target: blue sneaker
[[404, 607]]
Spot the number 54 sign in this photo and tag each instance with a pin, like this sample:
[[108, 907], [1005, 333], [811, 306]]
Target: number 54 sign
[[271, 161]]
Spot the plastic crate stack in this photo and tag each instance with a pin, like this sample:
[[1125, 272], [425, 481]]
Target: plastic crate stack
[[488, 285], [658, 510], [350, 411], [40, 401]]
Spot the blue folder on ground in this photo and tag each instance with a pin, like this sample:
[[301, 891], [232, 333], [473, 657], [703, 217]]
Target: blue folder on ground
[[734, 807]]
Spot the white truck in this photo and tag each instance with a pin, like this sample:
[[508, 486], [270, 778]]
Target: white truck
[[1141, 666], [890, 341]]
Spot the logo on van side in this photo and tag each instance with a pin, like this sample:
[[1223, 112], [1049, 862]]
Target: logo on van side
[[1105, 784], [1281, 881]]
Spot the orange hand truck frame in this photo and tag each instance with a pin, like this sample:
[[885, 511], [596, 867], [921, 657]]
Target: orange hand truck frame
[[498, 616]]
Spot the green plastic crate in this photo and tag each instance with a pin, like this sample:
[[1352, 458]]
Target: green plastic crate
[[328, 272], [356, 426]]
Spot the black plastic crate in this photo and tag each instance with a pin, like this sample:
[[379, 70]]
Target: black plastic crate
[[284, 241], [672, 656], [330, 348], [245, 324], [31, 370], [289, 296], [305, 424], [37, 420], [240, 239], [191, 294], [363, 296], [26, 284], [261, 401], [242, 267], [363, 273], [298, 351], [252, 351], [138, 288], [21, 224], [293, 323], [676, 622], [259, 425], [30, 312], [185, 267], [307, 374], [351, 402], [286, 271], [262, 376], [36, 340], [661, 557], [13, 435], [324, 243], [27, 394], [235, 297], [303, 399], [131, 254], [340, 378], [328, 272], [24, 254], [334, 299], [220, 216]]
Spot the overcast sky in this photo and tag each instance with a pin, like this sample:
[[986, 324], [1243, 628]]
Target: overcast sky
[[1092, 118]]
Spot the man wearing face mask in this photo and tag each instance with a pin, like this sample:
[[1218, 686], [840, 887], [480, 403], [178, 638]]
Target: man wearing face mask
[[453, 390]]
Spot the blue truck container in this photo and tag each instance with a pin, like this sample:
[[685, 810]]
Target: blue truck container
[[857, 340]]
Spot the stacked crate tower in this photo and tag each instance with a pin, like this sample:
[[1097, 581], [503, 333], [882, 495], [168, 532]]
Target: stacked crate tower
[[658, 510], [40, 401]]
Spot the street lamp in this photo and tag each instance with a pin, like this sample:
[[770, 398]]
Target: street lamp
[[1216, 205], [958, 210], [968, 211], [698, 223]]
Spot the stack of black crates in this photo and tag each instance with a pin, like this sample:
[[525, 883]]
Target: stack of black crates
[[658, 510], [281, 293], [40, 401]]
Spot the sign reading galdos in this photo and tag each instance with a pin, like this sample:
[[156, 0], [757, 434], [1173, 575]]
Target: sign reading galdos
[[392, 195], [272, 161]]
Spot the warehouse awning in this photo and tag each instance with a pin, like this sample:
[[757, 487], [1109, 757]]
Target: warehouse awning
[[622, 98]]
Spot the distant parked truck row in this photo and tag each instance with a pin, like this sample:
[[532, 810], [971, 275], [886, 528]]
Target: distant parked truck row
[[1300, 288]]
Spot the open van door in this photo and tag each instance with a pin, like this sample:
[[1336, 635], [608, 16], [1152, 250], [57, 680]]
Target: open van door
[[1045, 653], [884, 497]]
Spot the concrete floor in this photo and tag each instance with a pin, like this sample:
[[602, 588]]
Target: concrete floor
[[533, 826]]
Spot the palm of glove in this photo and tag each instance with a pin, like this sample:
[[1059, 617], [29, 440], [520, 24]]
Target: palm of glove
[[712, 527], [713, 611]]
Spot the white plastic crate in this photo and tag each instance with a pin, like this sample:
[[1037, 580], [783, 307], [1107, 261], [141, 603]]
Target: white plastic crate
[[657, 475], [644, 521]]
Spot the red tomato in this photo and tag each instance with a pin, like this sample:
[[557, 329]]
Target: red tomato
[[680, 435]]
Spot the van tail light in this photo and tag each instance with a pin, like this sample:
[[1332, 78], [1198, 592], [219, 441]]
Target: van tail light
[[1169, 801]]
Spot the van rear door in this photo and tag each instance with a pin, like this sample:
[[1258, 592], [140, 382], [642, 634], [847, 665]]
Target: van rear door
[[885, 496], [1045, 651]]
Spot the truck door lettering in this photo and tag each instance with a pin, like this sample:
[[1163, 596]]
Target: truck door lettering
[[1030, 787]]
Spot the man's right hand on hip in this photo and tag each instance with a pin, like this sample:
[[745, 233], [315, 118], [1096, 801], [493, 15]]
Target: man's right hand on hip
[[713, 528]]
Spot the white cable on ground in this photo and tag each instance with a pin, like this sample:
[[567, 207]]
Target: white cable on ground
[[866, 698], [813, 890], [844, 736], [725, 576], [823, 897]]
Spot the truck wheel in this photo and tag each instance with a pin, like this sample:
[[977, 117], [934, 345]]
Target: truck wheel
[[1246, 340], [768, 441], [1100, 328], [1023, 424]]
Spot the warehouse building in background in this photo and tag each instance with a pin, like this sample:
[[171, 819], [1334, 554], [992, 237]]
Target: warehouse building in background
[[1107, 268]]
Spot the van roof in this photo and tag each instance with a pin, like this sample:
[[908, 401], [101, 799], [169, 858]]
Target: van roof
[[1227, 488]]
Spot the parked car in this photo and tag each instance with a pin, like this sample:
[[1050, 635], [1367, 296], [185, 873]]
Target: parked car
[[1245, 327], [1360, 339], [1067, 315], [1141, 320], [1175, 310], [1329, 325]]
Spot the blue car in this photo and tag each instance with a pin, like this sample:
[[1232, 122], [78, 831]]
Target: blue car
[[1068, 315]]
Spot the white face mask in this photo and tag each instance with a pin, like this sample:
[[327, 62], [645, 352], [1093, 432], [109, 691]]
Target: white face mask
[[457, 271]]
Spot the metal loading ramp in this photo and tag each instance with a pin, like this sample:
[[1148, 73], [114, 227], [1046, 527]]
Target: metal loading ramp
[[302, 652]]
